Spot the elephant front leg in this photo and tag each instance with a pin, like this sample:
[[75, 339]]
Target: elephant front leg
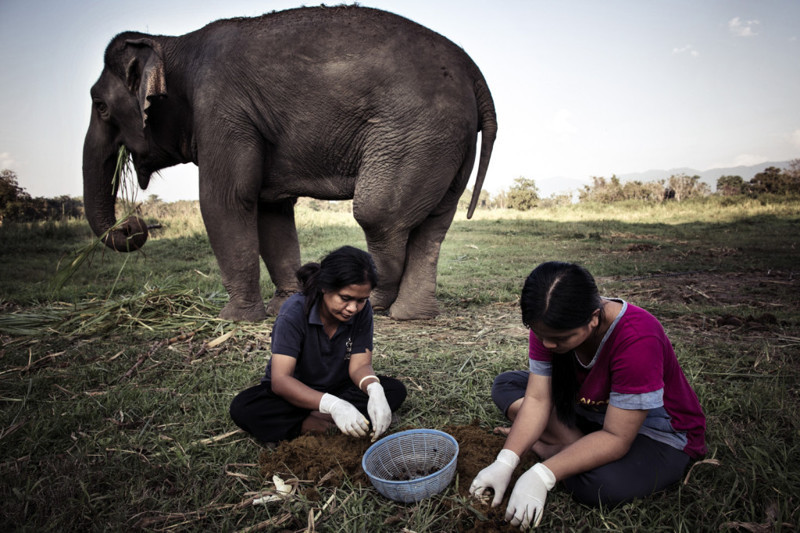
[[233, 234], [237, 256], [280, 250]]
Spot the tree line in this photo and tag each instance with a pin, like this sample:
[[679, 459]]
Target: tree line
[[18, 206], [524, 195]]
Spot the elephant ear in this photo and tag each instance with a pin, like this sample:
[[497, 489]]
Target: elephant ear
[[145, 75]]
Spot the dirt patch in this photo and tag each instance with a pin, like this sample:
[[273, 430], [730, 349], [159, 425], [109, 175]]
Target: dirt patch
[[326, 460], [317, 459], [768, 290]]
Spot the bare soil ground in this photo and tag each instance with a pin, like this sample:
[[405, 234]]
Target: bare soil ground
[[326, 460]]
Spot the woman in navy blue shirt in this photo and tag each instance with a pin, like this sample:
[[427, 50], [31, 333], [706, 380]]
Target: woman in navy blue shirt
[[320, 372]]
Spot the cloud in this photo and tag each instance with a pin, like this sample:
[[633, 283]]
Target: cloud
[[6, 161], [688, 49], [562, 123], [742, 28]]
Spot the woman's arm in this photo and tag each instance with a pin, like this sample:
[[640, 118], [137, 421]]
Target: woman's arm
[[528, 426], [533, 415], [362, 374], [600, 447], [284, 384], [361, 367]]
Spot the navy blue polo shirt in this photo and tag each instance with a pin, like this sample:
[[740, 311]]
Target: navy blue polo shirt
[[321, 362]]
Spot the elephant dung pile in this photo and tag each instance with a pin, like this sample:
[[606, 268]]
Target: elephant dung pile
[[326, 460]]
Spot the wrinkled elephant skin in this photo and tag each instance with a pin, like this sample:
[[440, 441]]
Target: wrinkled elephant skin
[[330, 103]]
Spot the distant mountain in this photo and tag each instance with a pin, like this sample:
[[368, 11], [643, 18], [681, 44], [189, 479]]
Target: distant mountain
[[706, 176]]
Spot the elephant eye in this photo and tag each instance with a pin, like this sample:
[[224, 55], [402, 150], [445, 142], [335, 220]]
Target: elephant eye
[[102, 108]]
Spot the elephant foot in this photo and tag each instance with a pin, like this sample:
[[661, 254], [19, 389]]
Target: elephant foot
[[402, 310], [382, 300], [275, 303], [237, 313]]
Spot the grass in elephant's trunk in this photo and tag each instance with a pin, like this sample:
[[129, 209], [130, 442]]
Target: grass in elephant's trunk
[[130, 224]]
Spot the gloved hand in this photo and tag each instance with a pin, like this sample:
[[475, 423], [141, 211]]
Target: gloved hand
[[527, 499], [495, 476], [348, 419], [378, 408]]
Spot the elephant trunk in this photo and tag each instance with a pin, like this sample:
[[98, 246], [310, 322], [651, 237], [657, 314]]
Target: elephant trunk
[[100, 194]]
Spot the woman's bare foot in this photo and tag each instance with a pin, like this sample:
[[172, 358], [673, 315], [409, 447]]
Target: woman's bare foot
[[316, 423], [546, 451], [543, 450]]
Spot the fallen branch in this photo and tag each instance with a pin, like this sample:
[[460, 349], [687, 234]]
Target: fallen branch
[[203, 442], [272, 522], [182, 337], [144, 357], [212, 440], [32, 365]]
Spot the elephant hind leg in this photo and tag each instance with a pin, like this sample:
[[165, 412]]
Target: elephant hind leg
[[416, 298], [388, 251]]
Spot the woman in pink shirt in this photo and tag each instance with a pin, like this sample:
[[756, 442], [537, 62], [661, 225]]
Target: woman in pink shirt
[[604, 404]]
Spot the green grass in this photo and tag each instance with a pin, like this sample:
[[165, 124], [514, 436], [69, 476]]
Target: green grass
[[113, 400]]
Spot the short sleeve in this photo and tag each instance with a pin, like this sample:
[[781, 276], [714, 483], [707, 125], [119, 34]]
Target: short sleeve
[[638, 367], [539, 357], [645, 401], [289, 330], [363, 330], [536, 350]]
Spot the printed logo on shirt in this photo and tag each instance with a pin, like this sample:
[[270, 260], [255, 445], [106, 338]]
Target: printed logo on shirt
[[592, 403]]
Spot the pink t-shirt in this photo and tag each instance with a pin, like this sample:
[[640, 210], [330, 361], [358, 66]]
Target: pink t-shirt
[[635, 367]]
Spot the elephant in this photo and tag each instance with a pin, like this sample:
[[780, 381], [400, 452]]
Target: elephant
[[333, 103]]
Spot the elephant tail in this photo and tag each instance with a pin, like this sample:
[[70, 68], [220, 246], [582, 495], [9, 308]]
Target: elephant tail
[[487, 119]]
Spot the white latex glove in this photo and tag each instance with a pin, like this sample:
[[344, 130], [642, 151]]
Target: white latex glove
[[495, 476], [527, 499], [348, 419], [378, 408]]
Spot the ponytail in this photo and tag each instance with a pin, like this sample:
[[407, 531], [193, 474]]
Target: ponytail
[[308, 276]]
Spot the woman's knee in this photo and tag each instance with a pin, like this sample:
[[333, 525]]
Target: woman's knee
[[395, 392], [238, 408], [589, 489], [249, 404], [508, 387], [649, 467]]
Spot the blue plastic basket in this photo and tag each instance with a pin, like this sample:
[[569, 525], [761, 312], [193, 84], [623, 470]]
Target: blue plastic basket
[[411, 465]]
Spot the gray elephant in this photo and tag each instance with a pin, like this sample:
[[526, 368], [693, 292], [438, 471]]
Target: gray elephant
[[327, 102]]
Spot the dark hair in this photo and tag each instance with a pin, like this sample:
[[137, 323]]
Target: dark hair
[[561, 296], [342, 267]]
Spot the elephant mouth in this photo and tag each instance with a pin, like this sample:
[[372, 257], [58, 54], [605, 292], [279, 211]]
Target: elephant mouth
[[143, 172]]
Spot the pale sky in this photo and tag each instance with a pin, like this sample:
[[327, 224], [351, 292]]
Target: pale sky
[[582, 87]]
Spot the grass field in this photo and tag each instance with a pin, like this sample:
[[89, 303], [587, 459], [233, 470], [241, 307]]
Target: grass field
[[114, 388]]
